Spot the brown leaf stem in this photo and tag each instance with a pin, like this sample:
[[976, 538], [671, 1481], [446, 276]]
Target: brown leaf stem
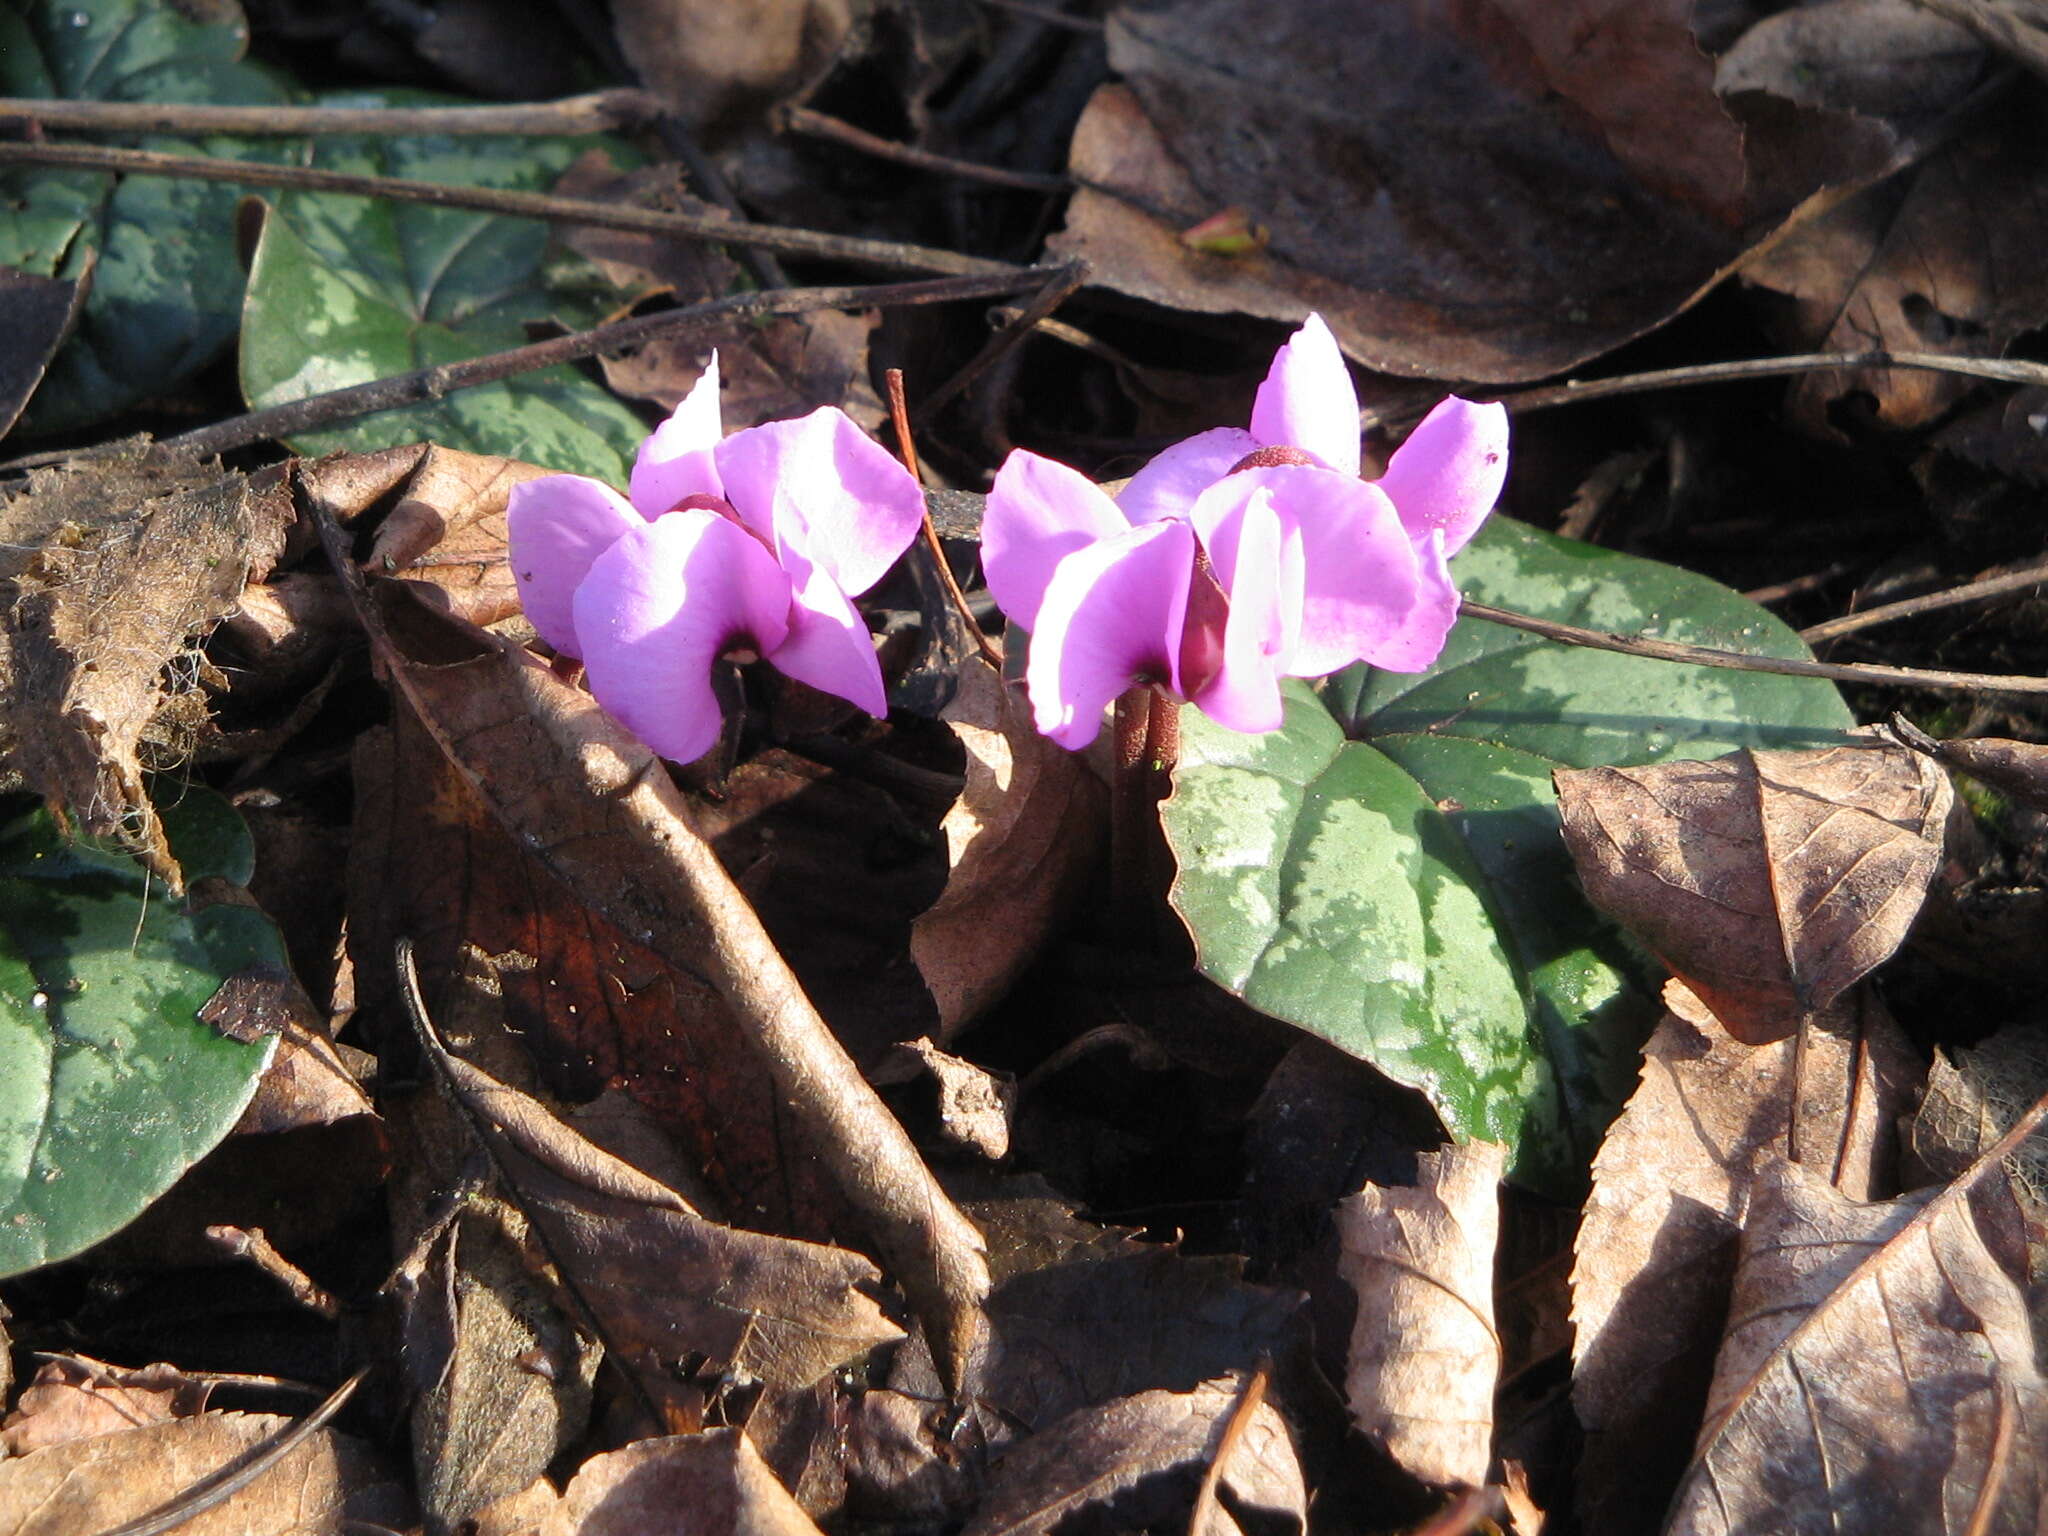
[[819, 125], [899, 417], [817, 244], [1743, 661], [593, 112]]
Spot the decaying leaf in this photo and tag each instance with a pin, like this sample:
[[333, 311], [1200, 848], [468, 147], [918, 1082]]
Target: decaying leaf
[[1671, 1190], [712, 1482], [975, 1105], [1878, 1371], [1973, 1096], [1769, 881], [75, 1398], [448, 531], [108, 572], [659, 1280], [36, 314], [1424, 1356], [1881, 58], [328, 1485], [711, 61], [1022, 834], [1471, 190], [1113, 1454], [507, 1390]]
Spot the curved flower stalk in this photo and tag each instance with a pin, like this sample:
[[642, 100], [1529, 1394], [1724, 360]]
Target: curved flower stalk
[[754, 543], [1240, 557]]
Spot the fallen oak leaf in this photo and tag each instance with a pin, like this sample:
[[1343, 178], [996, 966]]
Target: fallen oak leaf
[[628, 848], [1878, 1370], [715, 1481], [1770, 882]]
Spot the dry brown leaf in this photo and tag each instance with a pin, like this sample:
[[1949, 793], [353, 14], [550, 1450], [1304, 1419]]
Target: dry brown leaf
[[1020, 839], [709, 1482], [975, 1105], [1769, 881], [1971, 1101], [645, 265], [657, 1279], [1882, 58], [36, 315], [788, 366], [327, 1486], [1943, 261], [1100, 1456], [448, 532], [2015, 768], [594, 807], [1671, 1188], [75, 1398], [1424, 1357], [1453, 210], [1878, 1371], [508, 1378], [2015, 27], [107, 572], [714, 60]]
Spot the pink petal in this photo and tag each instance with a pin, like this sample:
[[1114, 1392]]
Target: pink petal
[[1168, 485], [555, 527], [821, 485], [1359, 564], [1415, 645], [675, 461], [1111, 615], [1449, 472], [1038, 512], [1258, 560], [659, 607], [828, 645], [1308, 400]]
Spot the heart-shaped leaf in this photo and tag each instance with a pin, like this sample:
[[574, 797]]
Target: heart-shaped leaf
[[345, 290], [166, 296], [110, 1084], [1385, 870]]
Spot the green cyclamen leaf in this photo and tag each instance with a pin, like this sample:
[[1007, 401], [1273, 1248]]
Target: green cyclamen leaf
[[166, 292], [1386, 872], [110, 1085], [345, 290]]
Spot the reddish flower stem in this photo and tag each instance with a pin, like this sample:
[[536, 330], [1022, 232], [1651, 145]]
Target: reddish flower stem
[[1147, 748]]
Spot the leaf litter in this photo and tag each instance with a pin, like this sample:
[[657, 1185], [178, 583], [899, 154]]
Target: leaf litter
[[1143, 1258]]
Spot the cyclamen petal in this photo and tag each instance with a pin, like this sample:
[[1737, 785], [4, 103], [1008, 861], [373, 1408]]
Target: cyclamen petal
[[1308, 400], [676, 461], [1168, 485], [1037, 513], [659, 607], [822, 486], [1416, 644], [1112, 614], [555, 527], [828, 645], [1450, 471], [1258, 560]]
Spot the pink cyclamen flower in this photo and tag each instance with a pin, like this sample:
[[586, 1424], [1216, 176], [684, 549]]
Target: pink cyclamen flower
[[754, 542], [1237, 558]]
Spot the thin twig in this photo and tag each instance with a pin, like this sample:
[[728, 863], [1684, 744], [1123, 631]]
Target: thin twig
[[1743, 661], [595, 112], [216, 1489], [899, 416], [530, 205], [1927, 602], [424, 384], [1059, 287], [1812, 581], [253, 1244], [819, 125], [1051, 15], [1575, 391]]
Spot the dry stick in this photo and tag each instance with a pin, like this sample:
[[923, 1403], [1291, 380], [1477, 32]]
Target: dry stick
[[596, 112], [1930, 602], [253, 1244], [1059, 287], [1573, 391], [400, 390], [1051, 15], [218, 1487], [530, 205], [1743, 661], [899, 417], [819, 125]]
